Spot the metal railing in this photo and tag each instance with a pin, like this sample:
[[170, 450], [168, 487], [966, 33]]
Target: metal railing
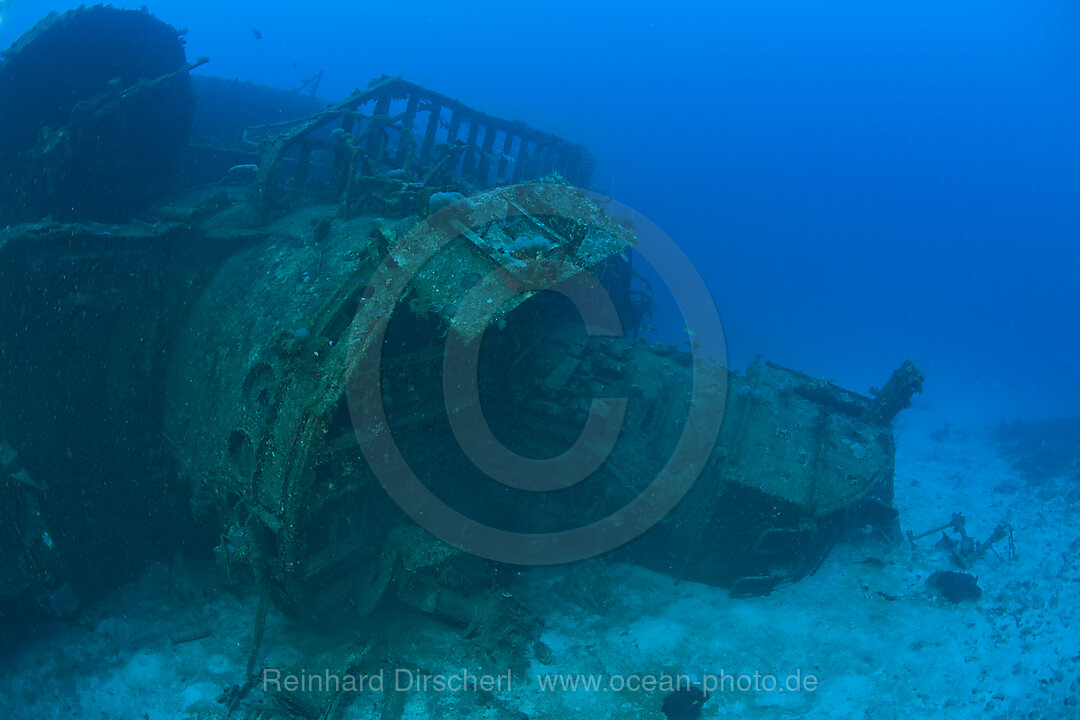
[[397, 128]]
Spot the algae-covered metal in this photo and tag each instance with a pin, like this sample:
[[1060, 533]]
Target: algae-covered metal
[[95, 111], [266, 372], [217, 353], [257, 390]]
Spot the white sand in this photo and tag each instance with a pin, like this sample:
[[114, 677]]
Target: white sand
[[1014, 653]]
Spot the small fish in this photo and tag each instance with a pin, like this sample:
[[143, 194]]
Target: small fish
[[256, 33]]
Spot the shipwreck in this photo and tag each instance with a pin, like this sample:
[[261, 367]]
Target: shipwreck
[[188, 349]]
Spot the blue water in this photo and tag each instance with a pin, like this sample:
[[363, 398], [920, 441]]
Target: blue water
[[859, 183]]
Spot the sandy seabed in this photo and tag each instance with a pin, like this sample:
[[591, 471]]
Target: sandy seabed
[[862, 638]]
